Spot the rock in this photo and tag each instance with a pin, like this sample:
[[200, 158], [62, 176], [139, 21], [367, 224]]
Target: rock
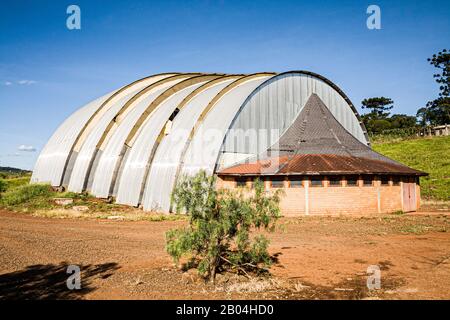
[[116, 218], [391, 291], [343, 289], [300, 287], [80, 208], [63, 201]]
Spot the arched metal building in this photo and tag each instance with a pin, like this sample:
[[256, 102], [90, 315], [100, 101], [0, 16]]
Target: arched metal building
[[135, 142]]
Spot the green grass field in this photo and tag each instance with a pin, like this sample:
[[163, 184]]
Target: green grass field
[[431, 155]]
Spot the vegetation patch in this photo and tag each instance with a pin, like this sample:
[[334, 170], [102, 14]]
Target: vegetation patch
[[16, 194], [31, 196], [426, 154], [415, 229], [218, 237]]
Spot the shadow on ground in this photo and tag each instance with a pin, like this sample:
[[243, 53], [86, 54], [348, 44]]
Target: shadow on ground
[[48, 281]]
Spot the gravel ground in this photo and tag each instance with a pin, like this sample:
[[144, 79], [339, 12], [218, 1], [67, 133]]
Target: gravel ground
[[318, 258]]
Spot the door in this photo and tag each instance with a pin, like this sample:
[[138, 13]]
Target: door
[[409, 197]]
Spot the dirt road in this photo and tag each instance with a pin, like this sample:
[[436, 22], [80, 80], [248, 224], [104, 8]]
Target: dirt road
[[319, 257]]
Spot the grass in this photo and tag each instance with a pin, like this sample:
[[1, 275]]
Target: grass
[[16, 182], [425, 154], [415, 229], [30, 196], [38, 199], [128, 215]]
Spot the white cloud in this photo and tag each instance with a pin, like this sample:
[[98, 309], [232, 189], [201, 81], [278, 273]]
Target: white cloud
[[7, 83], [26, 82], [26, 148]]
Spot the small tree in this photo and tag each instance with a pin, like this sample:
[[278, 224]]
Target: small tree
[[438, 111], [376, 126], [218, 235], [402, 121], [378, 107], [441, 61]]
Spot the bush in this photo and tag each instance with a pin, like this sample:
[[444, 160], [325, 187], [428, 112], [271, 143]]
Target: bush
[[220, 221], [3, 185], [25, 193]]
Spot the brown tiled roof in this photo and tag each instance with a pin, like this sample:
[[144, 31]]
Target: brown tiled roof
[[315, 164]]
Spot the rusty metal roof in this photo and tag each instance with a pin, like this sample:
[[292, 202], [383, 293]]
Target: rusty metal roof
[[319, 164]]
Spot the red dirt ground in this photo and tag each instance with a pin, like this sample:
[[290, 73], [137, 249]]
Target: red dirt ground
[[319, 258]]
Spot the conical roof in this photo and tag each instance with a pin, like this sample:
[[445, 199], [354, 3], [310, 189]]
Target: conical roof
[[316, 131], [316, 143]]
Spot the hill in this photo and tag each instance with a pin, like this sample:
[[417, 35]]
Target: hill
[[427, 154], [13, 170]]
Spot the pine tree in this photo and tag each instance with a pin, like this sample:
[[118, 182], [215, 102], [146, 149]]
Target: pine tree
[[220, 221]]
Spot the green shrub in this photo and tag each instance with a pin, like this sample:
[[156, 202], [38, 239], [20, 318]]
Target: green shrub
[[25, 193], [3, 185], [218, 235], [76, 196]]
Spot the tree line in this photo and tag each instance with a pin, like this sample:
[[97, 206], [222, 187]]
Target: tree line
[[436, 112]]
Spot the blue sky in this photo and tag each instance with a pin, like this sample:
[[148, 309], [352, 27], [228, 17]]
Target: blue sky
[[48, 71]]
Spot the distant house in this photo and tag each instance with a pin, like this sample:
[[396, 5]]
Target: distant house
[[443, 130], [294, 130]]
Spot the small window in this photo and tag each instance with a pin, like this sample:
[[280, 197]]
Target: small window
[[316, 182], [367, 182], [296, 182], [277, 182], [384, 181], [352, 182], [335, 182], [396, 181], [241, 182]]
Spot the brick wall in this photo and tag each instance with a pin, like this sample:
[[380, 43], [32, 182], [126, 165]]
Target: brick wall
[[225, 183], [335, 200]]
